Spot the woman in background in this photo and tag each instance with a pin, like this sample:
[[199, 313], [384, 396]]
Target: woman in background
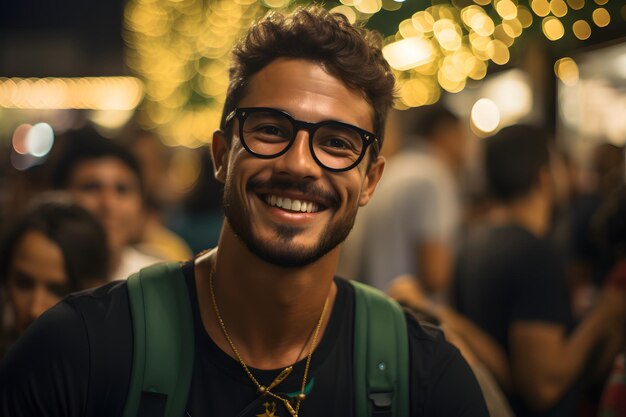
[[55, 248]]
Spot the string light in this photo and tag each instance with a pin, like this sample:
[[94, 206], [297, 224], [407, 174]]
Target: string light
[[180, 49], [93, 93]]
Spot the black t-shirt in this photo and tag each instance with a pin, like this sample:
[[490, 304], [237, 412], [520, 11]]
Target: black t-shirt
[[76, 359], [505, 274]]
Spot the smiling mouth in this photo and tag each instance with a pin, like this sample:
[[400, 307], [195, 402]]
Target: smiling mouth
[[293, 205]]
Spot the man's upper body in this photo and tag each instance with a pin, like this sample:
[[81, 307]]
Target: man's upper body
[[297, 157], [411, 225], [511, 282], [506, 275], [416, 205], [88, 339]]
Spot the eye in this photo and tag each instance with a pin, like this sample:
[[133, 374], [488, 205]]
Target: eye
[[271, 130], [338, 143]]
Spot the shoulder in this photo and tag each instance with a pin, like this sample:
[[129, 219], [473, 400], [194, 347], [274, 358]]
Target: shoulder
[[82, 347], [438, 374]]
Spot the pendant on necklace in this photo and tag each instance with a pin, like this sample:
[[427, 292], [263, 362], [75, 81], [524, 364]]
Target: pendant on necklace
[[270, 410]]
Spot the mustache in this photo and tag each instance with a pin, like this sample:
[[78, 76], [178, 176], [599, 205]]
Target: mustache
[[329, 199]]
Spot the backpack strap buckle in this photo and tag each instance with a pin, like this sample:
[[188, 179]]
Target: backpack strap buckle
[[382, 403]]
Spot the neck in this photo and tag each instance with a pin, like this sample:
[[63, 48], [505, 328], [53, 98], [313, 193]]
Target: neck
[[531, 212], [269, 311]]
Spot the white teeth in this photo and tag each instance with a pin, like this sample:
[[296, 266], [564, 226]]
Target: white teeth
[[292, 205]]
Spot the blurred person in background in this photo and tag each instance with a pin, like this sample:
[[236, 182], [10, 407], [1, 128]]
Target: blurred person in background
[[55, 248], [411, 224], [105, 178], [154, 157], [609, 227], [198, 218], [587, 263], [510, 281]]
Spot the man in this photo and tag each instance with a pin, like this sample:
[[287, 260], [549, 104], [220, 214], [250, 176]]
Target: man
[[511, 282], [297, 158], [106, 179], [411, 225]]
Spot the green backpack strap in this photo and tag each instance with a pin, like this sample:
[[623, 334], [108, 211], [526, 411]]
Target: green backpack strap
[[381, 355], [163, 343]]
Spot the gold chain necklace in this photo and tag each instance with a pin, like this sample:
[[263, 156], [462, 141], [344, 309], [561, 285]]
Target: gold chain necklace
[[263, 390]]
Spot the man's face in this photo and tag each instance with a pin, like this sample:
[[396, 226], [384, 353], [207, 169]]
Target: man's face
[[36, 278], [254, 187], [110, 190]]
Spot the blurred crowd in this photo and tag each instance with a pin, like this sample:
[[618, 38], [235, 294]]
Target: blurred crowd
[[514, 247]]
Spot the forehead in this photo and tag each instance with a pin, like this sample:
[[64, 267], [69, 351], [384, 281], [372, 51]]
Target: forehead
[[40, 258], [308, 92], [106, 168]]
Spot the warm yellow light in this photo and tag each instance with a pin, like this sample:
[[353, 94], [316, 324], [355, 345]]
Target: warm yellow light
[[540, 7], [485, 116], [418, 92], [566, 70], [480, 45], [468, 12], [525, 16], [601, 17], [513, 28], [506, 9], [500, 34], [98, 93], [347, 2], [368, 6], [346, 11], [408, 53], [408, 30], [479, 70], [275, 4], [448, 34], [552, 28], [391, 5], [581, 29], [450, 86], [451, 70], [576, 4], [498, 52], [482, 2], [601, 2], [482, 24], [558, 8], [423, 21]]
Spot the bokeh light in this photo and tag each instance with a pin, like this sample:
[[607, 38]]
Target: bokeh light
[[485, 116], [581, 29], [552, 28], [601, 17], [566, 70], [39, 139]]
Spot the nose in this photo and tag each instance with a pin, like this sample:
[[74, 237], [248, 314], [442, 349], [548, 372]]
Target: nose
[[298, 160], [108, 199]]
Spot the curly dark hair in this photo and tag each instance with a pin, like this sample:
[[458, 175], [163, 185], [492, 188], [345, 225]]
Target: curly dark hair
[[79, 235], [348, 52]]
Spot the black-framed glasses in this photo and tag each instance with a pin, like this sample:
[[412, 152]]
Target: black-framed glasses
[[269, 133]]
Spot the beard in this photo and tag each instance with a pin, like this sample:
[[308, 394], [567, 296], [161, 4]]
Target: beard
[[283, 251]]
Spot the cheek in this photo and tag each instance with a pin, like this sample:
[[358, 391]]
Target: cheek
[[88, 201], [19, 299]]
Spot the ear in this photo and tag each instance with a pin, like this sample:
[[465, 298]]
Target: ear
[[219, 155], [371, 179]]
